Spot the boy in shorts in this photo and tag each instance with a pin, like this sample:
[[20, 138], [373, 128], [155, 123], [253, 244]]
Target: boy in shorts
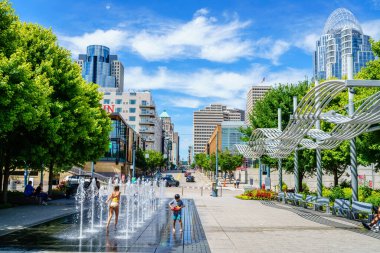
[[176, 206]]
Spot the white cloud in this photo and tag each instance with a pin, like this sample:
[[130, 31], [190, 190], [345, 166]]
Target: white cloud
[[372, 28], [307, 42], [203, 37], [114, 39], [185, 102], [209, 85]]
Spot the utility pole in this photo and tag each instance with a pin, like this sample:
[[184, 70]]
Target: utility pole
[[133, 159], [279, 127], [296, 183]]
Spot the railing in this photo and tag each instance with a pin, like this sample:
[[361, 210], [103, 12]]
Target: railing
[[79, 171]]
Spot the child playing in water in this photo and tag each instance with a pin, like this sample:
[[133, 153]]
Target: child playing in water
[[114, 206], [176, 206]]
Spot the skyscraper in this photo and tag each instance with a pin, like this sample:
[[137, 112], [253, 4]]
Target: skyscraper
[[206, 119], [255, 93], [100, 67], [342, 36]]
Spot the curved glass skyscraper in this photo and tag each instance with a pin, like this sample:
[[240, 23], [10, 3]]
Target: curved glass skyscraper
[[102, 68], [342, 36]]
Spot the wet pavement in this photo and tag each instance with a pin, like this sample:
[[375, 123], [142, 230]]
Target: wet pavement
[[155, 235]]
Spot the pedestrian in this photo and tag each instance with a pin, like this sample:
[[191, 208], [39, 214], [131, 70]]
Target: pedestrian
[[29, 190], [43, 195], [114, 206], [375, 219], [176, 206], [237, 182]]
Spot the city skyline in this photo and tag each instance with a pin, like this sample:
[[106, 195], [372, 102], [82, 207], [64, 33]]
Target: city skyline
[[203, 52]]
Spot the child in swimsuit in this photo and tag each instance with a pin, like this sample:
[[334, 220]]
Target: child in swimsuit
[[114, 206]]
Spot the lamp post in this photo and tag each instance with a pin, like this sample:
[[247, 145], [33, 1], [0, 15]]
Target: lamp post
[[216, 165], [133, 159], [296, 183]]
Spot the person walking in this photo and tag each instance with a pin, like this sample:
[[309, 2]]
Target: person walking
[[176, 206], [114, 206]]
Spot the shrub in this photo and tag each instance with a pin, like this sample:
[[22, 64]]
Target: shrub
[[364, 192], [336, 193], [284, 187], [345, 184], [257, 195], [305, 188], [347, 193], [374, 198], [326, 192]]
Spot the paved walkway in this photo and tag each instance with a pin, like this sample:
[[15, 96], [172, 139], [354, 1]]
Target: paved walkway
[[12, 219], [233, 225]]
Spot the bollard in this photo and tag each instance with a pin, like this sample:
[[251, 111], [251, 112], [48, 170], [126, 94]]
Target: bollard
[[221, 191], [182, 190], [202, 191]]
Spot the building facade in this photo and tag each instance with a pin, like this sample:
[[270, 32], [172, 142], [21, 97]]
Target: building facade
[[170, 139], [254, 94], [100, 67], [205, 121], [228, 135], [342, 36], [139, 111]]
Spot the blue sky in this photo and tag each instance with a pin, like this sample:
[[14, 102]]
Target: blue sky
[[192, 53]]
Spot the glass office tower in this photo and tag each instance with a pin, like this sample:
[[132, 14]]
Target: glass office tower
[[342, 36], [102, 68]]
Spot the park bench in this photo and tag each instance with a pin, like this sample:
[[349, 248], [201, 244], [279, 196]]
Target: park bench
[[298, 199], [320, 203], [341, 207], [281, 196], [361, 208], [310, 199], [289, 198]]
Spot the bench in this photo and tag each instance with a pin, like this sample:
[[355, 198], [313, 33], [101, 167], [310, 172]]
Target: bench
[[361, 208], [320, 203], [289, 198], [341, 207], [310, 200], [298, 199], [281, 197]]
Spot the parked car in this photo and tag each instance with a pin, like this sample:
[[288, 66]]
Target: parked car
[[170, 181], [190, 178]]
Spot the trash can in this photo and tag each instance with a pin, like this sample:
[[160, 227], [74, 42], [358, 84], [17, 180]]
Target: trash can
[[214, 190]]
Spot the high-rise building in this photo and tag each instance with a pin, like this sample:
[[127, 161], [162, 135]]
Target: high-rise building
[[171, 138], [206, 119], [100, 67], [139, 111], [342, 36], [254, 94]]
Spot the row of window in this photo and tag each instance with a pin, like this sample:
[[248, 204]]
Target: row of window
[[119, 101]]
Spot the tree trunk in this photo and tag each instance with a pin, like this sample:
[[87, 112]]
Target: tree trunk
[[5, 181], [1, 177], [336, 177], [300, 179], [50, 189]]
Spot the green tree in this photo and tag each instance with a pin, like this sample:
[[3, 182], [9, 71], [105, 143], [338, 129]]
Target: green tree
[[264, 115], [140, 159], [154, 160], [24, 96], [229, 162], [202, 160], [369, 145]]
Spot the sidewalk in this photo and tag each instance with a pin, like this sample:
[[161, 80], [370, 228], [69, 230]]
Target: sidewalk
[[12, 219], [233, 225]]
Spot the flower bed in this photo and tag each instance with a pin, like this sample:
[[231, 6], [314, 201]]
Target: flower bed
[[257, 195]]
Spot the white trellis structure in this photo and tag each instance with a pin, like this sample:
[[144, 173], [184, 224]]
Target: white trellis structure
[[300, 133]]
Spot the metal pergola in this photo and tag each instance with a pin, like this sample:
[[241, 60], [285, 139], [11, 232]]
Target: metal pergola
[[303, 130]]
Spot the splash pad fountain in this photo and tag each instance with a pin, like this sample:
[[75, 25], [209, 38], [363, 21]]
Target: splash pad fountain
[[139, 201]]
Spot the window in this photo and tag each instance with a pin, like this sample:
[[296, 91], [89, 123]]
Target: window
[[132, 110], [118, 109], [106, 101], [118, 101], [132, 101], [132, 118], [107, 93], [144, 102], [133, 127]]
